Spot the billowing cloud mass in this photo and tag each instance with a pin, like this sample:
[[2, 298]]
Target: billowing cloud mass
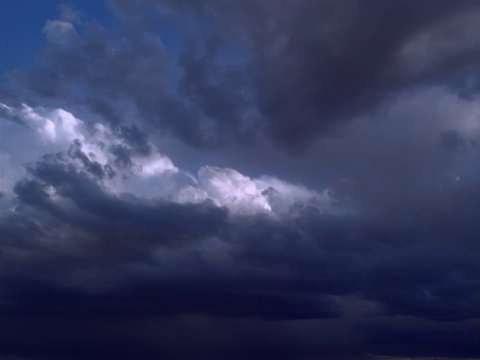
[[266, 179]]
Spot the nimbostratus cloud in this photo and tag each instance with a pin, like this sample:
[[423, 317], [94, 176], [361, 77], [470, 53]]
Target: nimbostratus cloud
[[257, 179]]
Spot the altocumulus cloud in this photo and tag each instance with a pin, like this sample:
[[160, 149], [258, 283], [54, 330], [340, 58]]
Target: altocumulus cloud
[[300, 184]]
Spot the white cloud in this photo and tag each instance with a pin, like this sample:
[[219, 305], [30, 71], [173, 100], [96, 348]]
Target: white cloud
[[54, 126], [191, 194], [156, 176], [231, 189], [153, 165], [60, 32], [282, 195]]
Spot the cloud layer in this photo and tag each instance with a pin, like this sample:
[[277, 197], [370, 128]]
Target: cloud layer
[[255, 179]]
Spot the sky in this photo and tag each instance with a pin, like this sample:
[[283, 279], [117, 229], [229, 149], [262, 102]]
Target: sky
[[256, 179]]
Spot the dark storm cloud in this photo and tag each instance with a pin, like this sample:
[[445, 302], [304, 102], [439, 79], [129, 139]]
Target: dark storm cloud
[[132, 70], [92, 257], [114, 231], [122, 218], [87, 272], [451, 140], [293, 69], [312, 64]]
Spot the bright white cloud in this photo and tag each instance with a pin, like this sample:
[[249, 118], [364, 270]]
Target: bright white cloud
[[155, 176], [192, 195], [231, 189], [54, 126], [153, 165]]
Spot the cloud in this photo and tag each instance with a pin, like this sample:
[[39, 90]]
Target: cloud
[[287, 180], [104, 154], [310, 66], [53, 126], [68, 204], [60, 32], [80, 201], [451, 140], [291, 71]]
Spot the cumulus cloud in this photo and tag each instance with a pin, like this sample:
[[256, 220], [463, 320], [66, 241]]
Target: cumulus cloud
[[232, 188], [257, 179], [54, 126], [105, 156], [82, 190]]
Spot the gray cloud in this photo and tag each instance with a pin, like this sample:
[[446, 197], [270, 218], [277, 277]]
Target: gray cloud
[[367, 109], [310, 65], [292, 70], [88, 254], [451, 140]]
